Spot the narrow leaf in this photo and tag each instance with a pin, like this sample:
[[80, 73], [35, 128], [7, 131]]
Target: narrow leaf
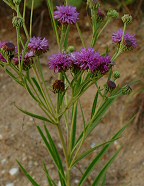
[[34, 115], [94, 104], [50, 181], [34, 183], [104, 170]]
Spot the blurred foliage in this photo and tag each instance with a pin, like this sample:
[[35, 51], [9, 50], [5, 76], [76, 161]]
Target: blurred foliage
[[120, 2], [76, 3], [37, 3]]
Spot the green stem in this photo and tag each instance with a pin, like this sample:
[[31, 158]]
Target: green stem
[[80, 34], [96, 36], [31, 17]]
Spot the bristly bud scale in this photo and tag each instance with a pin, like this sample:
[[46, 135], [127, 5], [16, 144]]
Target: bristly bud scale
[[126, 90], [17, 2], [17, 21], [111, 85], [127, 19], [113, 14], [116, 75], [70, 49]]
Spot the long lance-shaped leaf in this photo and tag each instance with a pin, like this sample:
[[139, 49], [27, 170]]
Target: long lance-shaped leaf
[[13, 77], [35, 116], [96, 120], [53, 155], [57, 156], [99, 157], [30, 92], [89, 152], [104, 181], [50, 180], [73, 126], [104, 170], [34, 183], [38, 87], [94, 104]]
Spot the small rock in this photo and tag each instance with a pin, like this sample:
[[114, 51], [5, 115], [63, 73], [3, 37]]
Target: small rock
[[36, 163], [3, 162], [59, 183], [14, 171], [3, 172], [76, 181], [10, 184], [59, 145], [93, 145], [1, 137]]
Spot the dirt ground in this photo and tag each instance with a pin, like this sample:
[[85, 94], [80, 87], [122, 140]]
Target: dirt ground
[[19, 139]]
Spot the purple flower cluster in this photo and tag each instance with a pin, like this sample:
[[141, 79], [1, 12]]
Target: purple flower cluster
[[60, 62], [38, 45], [66, 14], [86, 59], [129, 40]]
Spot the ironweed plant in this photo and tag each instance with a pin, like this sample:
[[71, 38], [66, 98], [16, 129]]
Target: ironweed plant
[[77, 72]]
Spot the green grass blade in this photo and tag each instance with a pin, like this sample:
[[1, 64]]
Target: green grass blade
[[104, 181], [13, 77], [34, 183], [104, 170]]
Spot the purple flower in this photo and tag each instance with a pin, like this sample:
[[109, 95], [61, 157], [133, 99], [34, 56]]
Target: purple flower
[[129, 40], [66, 14], [86, 58], [38, 45], [117, 36], [60, 62], [104, 64], [1, 56]]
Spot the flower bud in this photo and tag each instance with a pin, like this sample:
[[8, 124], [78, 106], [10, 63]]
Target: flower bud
[[127, 19], [92, 3], [17, 21], [17, 2], [116, 74], [112, 14], [126, 90], [111, 85], [58, 86], [70, 49], [9, 49]]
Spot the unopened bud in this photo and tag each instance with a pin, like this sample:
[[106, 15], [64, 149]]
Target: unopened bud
[[113, 14], [70, 49], [17, 2], [116, 74], [58, 86], [92, 3], [127, 19], [111, 85], [17, 21], [126, 90]]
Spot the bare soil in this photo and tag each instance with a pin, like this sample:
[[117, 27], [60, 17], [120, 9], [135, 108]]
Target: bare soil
[[19, 138]]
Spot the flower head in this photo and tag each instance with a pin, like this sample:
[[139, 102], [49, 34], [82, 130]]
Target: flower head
[[117, 36], [60, 62], [27, 61], [84, 59], [88, 59], [38, 45], [129, 40], [66, 14]]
